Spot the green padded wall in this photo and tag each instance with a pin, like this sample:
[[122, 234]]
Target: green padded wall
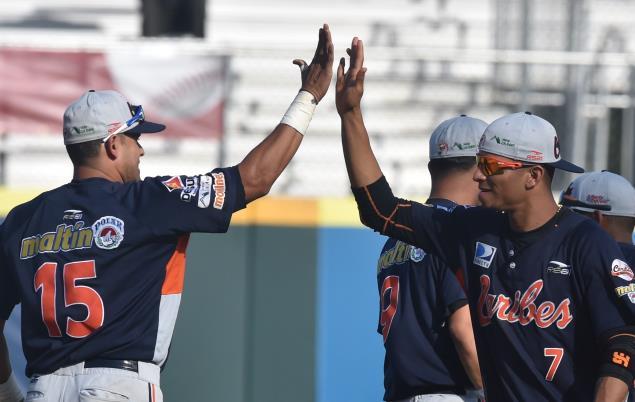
[[246, 329]]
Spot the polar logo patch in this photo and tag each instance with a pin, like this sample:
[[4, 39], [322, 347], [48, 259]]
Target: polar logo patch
[[621, 269], [108, 232], [484, 254]]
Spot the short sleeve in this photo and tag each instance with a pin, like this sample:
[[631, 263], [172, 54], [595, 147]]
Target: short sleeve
[[439, 232], [183, 204], [9, 296], [450, 291], [607, 282]]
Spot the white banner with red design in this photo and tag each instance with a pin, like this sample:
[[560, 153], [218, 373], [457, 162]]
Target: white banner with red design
[[184, 91]]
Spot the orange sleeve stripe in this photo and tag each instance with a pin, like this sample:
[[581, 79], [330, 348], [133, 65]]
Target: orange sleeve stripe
[[175, 269], [388, 220]]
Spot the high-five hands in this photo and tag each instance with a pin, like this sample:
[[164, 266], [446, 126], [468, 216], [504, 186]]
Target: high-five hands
[[316, 77], [350, 86]]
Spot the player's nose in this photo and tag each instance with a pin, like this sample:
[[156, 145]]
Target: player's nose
[[478, 176]]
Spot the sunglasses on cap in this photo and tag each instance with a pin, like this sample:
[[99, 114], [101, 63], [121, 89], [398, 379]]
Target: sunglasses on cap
[[137, 117], [491, 166]]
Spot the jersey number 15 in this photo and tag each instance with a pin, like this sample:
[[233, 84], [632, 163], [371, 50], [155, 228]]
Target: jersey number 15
[[45, 280]]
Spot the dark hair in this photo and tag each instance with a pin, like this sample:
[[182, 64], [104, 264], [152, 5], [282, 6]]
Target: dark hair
[[442, 167], [82, 152]]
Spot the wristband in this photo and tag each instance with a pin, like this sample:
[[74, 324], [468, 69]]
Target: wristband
[[300, 112], [10, 391]]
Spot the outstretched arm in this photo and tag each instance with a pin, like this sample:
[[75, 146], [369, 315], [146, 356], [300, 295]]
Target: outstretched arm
[[378, 208], [262, 166], [361, 163]]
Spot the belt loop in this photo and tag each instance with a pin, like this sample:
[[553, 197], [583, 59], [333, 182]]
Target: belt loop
[[150, 372]]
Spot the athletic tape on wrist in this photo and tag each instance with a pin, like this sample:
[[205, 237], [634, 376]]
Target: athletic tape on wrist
[[10, 391], [300, 112]]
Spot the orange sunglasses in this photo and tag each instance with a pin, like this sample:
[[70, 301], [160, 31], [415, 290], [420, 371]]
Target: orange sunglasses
[[491, 166]]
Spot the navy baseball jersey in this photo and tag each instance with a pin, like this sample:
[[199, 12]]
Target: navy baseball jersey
[[540, 300], [99, 266], [418, 293], [629, 253]]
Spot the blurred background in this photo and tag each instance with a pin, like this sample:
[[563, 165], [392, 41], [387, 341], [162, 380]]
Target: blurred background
[[284, 307]]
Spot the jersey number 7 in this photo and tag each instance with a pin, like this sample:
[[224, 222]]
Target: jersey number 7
[[45, 280], [557, 354]]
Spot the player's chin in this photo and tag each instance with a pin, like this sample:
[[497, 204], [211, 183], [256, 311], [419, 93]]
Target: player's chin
[[487, 198]]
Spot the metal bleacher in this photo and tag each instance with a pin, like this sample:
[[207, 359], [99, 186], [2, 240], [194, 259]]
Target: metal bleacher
[[407, 92]]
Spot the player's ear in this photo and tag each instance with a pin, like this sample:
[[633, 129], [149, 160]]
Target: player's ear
[[113, 147], [535, 175]]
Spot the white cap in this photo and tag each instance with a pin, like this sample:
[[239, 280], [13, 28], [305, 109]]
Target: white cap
[[604, 191], [96, 114], [525, 137], [456, 137]]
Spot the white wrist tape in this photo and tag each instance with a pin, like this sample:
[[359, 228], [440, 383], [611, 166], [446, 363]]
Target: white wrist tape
[[300, 112], [10, 391]]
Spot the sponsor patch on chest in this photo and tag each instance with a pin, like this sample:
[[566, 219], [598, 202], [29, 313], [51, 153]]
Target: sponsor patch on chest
[[557, 267], [484, 254]]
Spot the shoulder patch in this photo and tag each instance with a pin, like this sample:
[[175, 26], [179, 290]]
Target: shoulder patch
[[204, 191], [219, 190], [173, 183], [621, 269]]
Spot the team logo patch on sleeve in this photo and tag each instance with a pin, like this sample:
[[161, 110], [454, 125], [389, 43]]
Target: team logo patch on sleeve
[[219, 190], [484, 254], [108, 232], [173, 183], [621, 269], [626, 290], [188, 193], [204, 191]]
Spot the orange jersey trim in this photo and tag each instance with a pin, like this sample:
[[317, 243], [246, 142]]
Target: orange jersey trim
[[175, 269], [387, 220]]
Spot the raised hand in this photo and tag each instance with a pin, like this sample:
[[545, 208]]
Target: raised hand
[[316, 77], [350, 86]]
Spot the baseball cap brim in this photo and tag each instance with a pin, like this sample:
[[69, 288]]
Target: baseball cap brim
[[147, 127], [566, 165]]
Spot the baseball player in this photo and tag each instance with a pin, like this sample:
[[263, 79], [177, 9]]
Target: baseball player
[[98, 263], [608, 199], [424, 318], [541, 279]]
